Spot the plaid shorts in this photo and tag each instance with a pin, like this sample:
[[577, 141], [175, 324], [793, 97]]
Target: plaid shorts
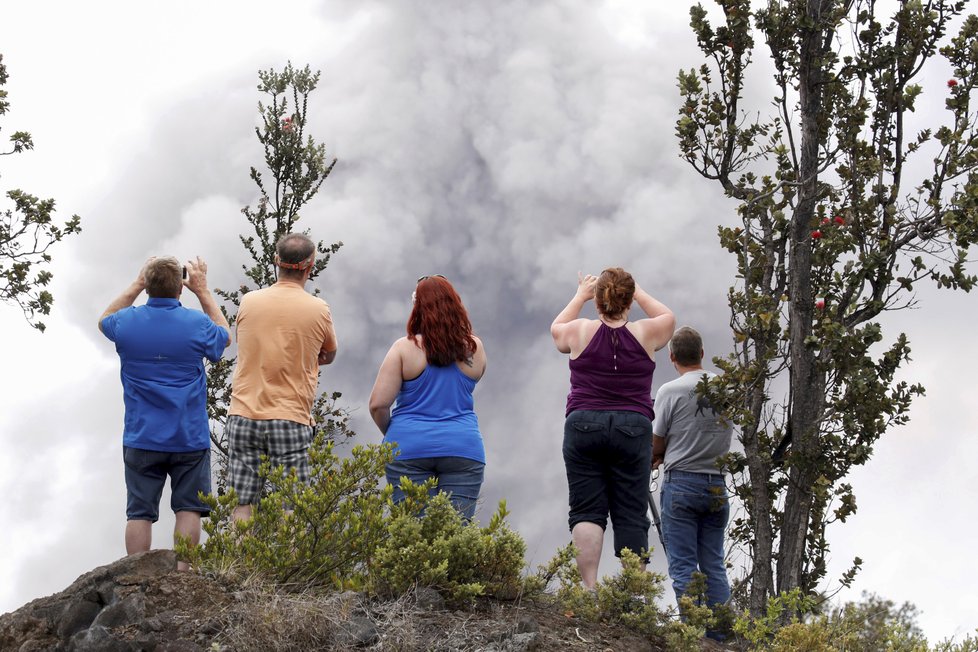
[[283, 442]]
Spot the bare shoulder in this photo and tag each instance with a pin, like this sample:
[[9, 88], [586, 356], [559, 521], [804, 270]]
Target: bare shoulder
[[585, 330], [572, 337], [654, 332], [408, 343], [474, 366], [409, 349]]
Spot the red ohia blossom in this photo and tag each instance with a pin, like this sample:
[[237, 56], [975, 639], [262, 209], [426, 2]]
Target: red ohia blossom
[[820, 303], [839, 220], [816, 235], [951, 83], [825, 220]]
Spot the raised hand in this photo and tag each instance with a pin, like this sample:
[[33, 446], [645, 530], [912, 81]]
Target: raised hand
[[196, 280], [585, 285]]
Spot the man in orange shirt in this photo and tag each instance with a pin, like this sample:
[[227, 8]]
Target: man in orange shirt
[[284, 334]]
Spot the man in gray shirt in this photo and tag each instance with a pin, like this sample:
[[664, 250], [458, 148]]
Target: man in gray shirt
[[688, 437]]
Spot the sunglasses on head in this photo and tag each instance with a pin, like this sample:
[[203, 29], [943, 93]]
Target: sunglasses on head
[[421, 278]]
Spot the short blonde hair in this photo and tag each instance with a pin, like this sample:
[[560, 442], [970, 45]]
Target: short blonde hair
[[164, 277]]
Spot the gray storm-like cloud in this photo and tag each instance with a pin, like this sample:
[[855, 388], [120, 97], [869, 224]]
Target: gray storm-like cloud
[[506, 145]]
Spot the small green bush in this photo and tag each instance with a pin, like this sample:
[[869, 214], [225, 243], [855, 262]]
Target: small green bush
[[341, 531], [318, 534], [628, 598], [760, 632], [429, 544], [872, 625], [969, 644]]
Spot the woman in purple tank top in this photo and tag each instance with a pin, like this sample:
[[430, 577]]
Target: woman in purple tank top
[[608, 427]]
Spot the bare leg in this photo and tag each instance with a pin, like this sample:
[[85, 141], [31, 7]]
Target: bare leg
[[588, 539], [139, 536], [187, 527], [241, 513]]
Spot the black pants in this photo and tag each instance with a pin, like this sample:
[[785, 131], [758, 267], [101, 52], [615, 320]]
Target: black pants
[[608, 457]]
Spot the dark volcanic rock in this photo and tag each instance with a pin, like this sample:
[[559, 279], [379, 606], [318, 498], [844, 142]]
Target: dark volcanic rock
[[141, 603], [429, 599], [127, 611], [126, 605], [357, 632], [76, 616]]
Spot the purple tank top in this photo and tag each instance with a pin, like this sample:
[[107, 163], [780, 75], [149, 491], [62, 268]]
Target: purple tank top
[[614, 372]]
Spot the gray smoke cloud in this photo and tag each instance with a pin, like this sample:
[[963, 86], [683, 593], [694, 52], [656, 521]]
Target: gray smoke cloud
[[505, 145]]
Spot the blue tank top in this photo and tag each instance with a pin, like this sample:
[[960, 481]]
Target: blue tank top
[[433, 416], [613, 372]]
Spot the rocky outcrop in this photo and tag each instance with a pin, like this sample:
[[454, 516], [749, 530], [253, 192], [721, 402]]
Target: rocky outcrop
[[142, 603], [136, 603]]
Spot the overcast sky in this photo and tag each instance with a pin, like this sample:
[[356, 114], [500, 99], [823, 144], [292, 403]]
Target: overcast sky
[[507, 145]]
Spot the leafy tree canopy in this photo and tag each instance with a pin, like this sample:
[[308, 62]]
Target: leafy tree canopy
[[27, 233]]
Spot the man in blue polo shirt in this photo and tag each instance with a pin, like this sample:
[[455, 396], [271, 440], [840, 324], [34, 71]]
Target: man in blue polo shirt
[[161, 346]]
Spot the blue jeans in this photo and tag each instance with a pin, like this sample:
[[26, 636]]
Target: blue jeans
[[459, 477], [695, 509]]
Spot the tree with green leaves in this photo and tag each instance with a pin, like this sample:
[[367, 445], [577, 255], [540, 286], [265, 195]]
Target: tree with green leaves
[[296, 166], [27, 233], [847, 199]]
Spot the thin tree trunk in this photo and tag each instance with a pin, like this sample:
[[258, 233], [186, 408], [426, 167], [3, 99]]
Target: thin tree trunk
[[763, 545], [806, 383]]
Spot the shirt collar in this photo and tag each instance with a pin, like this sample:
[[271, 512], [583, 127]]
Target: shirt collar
[[162, 302]]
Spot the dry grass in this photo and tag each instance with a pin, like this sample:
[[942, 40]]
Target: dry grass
[[261, 618]]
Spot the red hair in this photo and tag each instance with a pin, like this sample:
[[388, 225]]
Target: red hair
[[440, 319]]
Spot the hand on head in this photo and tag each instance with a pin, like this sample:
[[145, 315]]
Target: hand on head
[[141, 278], [585, 285]]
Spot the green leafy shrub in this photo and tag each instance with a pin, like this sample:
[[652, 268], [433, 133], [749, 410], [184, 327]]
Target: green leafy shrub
[[561, 564], [429, 544], [969, 644], [342, 531], [628, 598], [318, 534], [871, 625], [760, 631]]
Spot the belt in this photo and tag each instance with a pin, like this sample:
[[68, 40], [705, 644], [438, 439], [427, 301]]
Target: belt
[[692, 475]]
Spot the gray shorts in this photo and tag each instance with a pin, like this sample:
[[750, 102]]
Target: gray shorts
[[284, 443]]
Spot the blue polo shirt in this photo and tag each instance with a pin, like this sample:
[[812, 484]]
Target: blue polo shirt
[[161, 346]]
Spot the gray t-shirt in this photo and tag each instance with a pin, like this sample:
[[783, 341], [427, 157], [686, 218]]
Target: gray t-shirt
[[695, 435]]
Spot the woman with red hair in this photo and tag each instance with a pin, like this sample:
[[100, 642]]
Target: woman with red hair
[[428, 377]]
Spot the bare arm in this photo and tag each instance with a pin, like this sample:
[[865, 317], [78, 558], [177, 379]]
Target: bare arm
[[326, 357], [328, 353], [127, 297], [566, 327], [658, 450], [386, 387], [196, 282], [657, 329], [124, 300]]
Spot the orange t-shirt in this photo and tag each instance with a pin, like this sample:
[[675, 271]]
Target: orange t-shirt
[[280, 331]]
